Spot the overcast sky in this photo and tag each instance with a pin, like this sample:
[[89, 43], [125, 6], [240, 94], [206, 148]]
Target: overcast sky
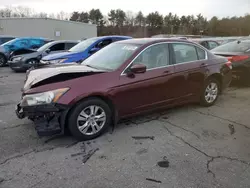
[[209, 8]]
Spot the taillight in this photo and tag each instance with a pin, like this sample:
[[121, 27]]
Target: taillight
[[238, 58]]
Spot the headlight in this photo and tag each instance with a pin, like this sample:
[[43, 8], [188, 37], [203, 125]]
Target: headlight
[[44, 62], [17, 58], [43, 98], [57, 61]]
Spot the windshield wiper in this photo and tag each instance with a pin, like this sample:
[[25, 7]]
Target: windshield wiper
[[89, 66]]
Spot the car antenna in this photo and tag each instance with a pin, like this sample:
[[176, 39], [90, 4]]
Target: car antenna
[[238, 42]]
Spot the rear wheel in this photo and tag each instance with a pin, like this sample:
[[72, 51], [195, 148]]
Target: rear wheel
[[210, 92], [3, 60], [89, 119]]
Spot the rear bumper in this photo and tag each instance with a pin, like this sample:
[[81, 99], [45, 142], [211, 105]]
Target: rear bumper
[[49, 119], [226, 79]]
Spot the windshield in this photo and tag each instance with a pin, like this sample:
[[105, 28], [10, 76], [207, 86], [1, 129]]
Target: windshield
[[111, 57], [83, 45], [235, 46], [44, 47]]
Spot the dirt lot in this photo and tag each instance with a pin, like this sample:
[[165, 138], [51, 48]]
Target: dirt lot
[[196, 147]]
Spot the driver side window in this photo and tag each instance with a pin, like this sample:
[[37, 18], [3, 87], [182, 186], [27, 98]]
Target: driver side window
[[154, 56], [57, 47]]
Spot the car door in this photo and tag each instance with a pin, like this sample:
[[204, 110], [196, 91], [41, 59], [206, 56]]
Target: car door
[[190, 68], [149, 90]]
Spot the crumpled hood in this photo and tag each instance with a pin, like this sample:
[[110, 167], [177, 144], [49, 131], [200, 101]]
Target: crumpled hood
[[39, 75], [60, 55]]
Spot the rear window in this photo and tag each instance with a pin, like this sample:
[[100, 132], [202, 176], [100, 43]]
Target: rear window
[[235, 46]]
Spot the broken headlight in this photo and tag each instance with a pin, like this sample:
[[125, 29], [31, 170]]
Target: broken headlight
[[43, 98]]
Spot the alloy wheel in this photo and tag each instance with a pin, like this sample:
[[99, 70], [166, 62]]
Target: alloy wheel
[[91, 120], [211, 92]]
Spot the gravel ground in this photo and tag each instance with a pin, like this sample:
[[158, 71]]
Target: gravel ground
[[188, 146]]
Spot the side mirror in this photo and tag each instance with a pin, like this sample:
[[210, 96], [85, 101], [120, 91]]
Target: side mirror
[[138, 68], [47, 51], [93, 50]]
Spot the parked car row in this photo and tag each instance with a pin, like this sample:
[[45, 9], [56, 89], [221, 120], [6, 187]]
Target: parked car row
[[57, 52], [19, 46], [123, 79], [23, 62]]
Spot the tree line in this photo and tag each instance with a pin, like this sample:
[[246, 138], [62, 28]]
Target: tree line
[[119, 22]]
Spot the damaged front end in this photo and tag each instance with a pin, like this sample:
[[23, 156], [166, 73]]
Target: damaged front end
[[44, 108], [49, 119], [44, 111]]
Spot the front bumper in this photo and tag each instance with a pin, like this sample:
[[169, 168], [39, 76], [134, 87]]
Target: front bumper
[[19, 65], [49, 119]]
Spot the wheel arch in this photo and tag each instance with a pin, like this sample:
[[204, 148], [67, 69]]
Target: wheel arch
[[101, 97], [218, 77]]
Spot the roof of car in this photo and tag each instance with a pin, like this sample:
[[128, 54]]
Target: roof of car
[[35, 38], [66, 41], [204, 39], [143, 41], [114, 36]]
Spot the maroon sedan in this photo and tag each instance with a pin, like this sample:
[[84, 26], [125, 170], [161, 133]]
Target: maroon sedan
[[124, 79]]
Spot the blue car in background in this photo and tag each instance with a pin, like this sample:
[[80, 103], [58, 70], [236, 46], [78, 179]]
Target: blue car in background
[[19, 46], [82, 50]]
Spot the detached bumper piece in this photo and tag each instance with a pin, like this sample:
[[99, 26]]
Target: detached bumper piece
[[48, 119]]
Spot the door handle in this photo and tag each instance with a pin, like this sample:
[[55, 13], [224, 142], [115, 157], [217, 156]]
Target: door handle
[[203, 64], [167, 72]]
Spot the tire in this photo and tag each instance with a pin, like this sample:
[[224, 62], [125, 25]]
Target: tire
[[3, 60], [89, 121], [210, 92]]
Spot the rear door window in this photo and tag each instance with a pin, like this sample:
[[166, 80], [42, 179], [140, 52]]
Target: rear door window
[[184, 53]]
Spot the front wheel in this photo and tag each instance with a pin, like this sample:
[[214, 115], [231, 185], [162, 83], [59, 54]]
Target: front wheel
[[3, 60], [210, 92], [89, 119]]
